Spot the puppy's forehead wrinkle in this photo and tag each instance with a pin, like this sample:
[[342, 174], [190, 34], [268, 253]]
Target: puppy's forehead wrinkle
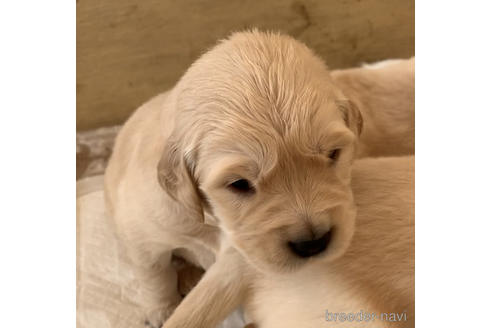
[[255, 147], [268, 135]]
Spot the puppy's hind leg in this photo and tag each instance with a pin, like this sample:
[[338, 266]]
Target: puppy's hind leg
[[158, 292]]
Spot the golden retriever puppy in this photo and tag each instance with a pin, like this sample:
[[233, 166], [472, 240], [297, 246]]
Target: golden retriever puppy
[[385, 93], [250, 152], [388, 88], [252, 141], [371, 285]]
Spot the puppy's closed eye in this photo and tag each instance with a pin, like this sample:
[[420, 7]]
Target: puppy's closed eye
[[242, 186]]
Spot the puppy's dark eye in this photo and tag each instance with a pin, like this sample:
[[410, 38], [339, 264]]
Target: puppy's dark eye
[[334, 154], [242, 186]]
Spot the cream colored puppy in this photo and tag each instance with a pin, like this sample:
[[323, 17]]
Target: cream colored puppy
[[254, 141], [388, 88], [385, 93], [375, 275], [250, 152]]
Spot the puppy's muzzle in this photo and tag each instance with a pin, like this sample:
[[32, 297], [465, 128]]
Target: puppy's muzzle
[[308, 248]]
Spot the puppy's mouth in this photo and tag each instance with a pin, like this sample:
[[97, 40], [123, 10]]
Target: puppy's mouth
[[311, 247]]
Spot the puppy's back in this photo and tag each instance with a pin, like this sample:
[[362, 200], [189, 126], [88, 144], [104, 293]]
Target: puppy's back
[[136, 148], [385, 95]]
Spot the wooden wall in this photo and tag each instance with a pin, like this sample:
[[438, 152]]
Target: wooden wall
[[130, 50]]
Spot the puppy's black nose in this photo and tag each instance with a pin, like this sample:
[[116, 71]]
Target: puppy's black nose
[[308, 248]]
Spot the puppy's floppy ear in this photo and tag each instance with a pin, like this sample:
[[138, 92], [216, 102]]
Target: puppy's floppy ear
[[175, 175], [351, 115]]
